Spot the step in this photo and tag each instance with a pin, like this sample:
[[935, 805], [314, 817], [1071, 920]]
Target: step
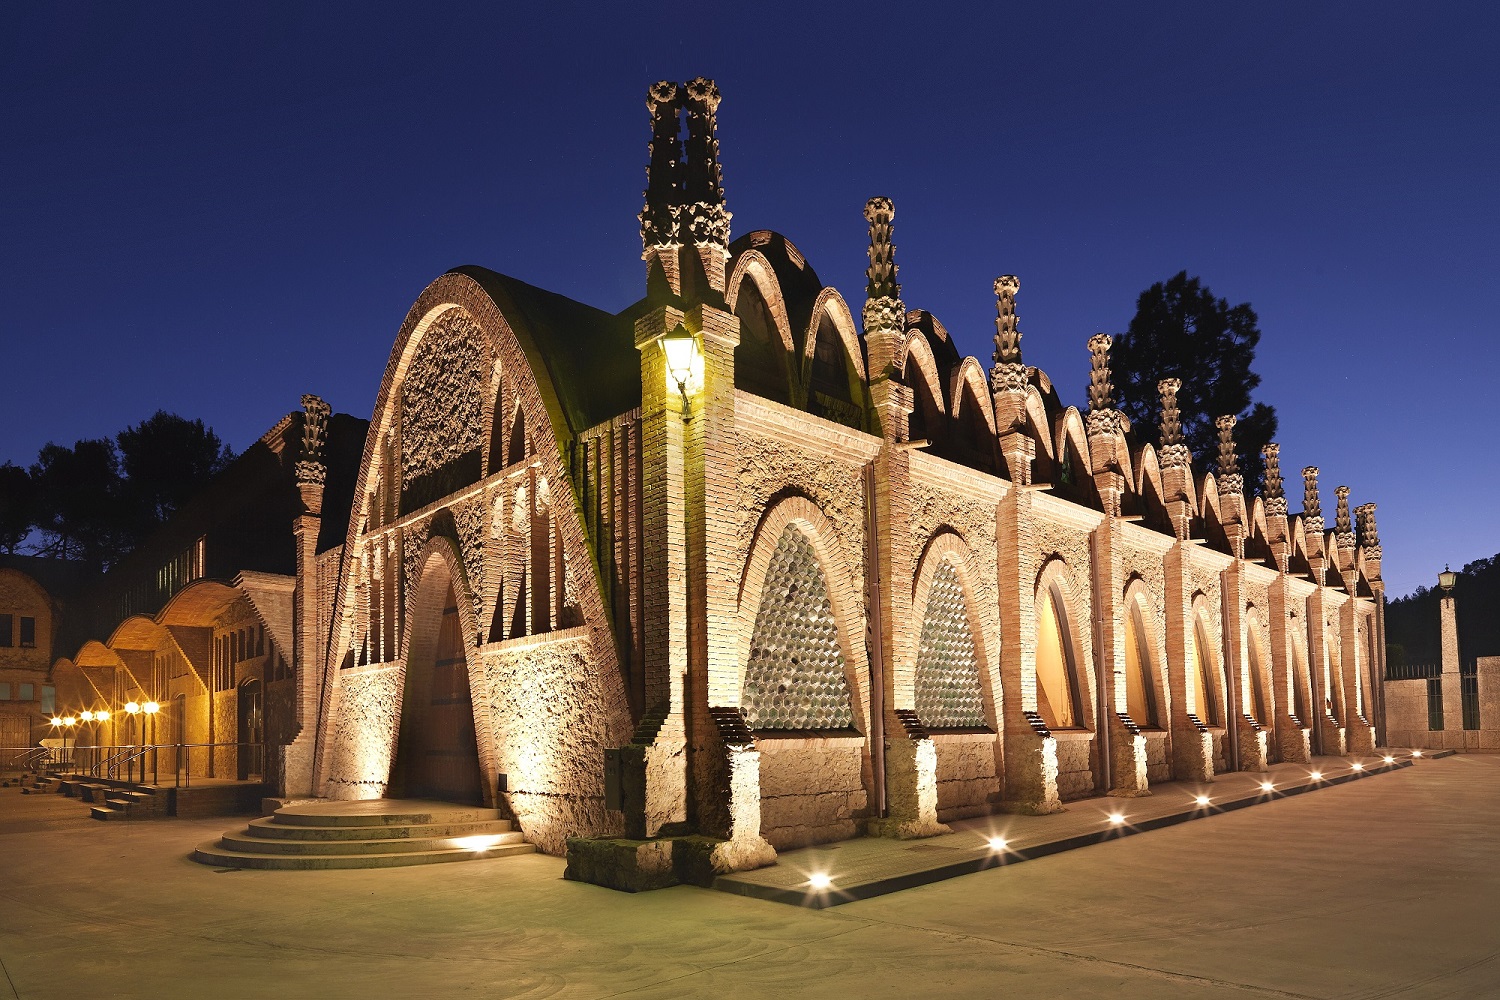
[[213, 853], [376, 814], [106, 812], [404, 845], [270, 828]]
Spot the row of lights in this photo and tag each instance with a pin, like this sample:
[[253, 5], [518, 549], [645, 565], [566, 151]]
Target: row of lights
[[131, 708], [821, 881]]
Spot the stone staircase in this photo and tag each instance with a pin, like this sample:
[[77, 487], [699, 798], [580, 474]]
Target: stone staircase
[[375, 833]]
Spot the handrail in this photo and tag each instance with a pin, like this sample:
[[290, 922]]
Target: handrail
[[106, 760]]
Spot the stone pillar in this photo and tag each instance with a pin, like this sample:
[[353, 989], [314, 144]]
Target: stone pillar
[[1453, 704], [1030, 749], [1292, 732], [1369, 544], [1192, 743], [1127, 747], [1250, 741], [1359, 734], [296, 765], [907, 764]]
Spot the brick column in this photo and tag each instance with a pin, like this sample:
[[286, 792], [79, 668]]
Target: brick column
[[296, 765], [1192, 743], [1292, 732], [1359, 734], [1127, 745], [1250, 739], [1453, 704], [1030, 750]]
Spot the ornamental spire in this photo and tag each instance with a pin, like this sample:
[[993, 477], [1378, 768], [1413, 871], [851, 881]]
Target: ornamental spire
[[1312, 510], [1101, 389], [1230, 480], [1343, 528], [1369, 537], [663, 184], [1173, 454], [705, 218], [1272, 488], [884, 311], [1007, 326]]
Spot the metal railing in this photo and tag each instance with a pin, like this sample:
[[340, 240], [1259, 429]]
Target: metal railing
[[24, 758], [1468, 687], [134, 761]]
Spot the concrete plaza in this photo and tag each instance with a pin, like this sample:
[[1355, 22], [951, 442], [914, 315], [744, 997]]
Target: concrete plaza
[[1378, 888]]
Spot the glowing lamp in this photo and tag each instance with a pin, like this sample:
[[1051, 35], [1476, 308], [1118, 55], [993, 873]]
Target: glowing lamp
[[1416, 753], [1201, 800], [1388, 759], [1266, 786], [56, 720], [681, 350], [151, 708], [1446, 579], [1316, 776], [818, 880], [1357, 766], [101, 716], [1116, 819], [132, 707], [997, 843], [69, 721], [86, 715]]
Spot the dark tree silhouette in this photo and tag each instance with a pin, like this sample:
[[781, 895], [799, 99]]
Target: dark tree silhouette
[[79, 511], [1181, 331], [165, 460], [17, 506]]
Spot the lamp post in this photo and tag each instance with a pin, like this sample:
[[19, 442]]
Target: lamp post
[[88, 716], [1447, 579], [133, 709], [151, 708], [681, 350], [56, 723], [69, 722]]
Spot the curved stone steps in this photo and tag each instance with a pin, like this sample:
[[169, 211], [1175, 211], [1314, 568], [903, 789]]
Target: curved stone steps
[[380, 833]]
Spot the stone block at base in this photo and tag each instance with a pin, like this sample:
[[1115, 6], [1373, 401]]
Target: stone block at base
[[617, 863]]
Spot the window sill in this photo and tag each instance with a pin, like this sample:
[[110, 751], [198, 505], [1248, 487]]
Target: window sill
[[1072, 735], [773, 740]]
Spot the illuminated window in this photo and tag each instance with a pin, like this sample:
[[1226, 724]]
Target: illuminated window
[[1203, 701], [1140, 696], [1056, 693]]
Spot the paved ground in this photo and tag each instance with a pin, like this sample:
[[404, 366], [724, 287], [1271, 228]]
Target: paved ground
[[1379, 888]]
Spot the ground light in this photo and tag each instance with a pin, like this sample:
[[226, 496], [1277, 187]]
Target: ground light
[[997, 843], [1266, 786], [1116, 818], [1316, 776], [1201, 800], [818, 880], [1388, 759], [1357, 766], [482, 842], [1416, 753]]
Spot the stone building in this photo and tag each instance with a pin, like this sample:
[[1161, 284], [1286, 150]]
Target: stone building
[[33, 595], [215, 616], [737, 569]]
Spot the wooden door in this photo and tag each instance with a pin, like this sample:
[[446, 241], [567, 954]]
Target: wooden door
[[438, 751], [251, 732]]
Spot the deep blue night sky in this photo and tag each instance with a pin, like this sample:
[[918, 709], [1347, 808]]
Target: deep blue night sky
[[214, 211]]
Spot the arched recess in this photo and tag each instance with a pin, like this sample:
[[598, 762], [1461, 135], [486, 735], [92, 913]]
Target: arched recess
[[1262, 687], [919, 372], [1206, 699], [1062, 688], [972, 439], [832, 366], [953, 684], [1145, 688], [797, 672], [761, 358], [443, 747], [1299, 693], [443, 399]]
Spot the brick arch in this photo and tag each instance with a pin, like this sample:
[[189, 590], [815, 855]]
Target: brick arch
[[438, 565], [1056, 572], [1257, 640], [947, 546], [1213, 633], [797, 511], [1138, 595]]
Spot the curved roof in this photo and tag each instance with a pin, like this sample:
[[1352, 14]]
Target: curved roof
[[799, 283], [589, 355]]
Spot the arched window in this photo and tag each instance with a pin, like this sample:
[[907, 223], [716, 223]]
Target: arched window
[[1299, 684], [949, 694], [1140, 693], [1056, 686], [1257, 682], [1204, 702], [795, 675]]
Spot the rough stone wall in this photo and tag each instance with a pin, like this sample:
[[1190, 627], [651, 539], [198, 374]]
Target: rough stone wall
[[361, 744], [20, 596], [968, 775], [1158, 757], [1406, 715], [1075, 775], [443, 396], [547, 720], [811, 791]]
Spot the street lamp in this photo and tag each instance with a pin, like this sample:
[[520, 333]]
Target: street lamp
[[151, 708], [69, 722], [1446, 579], [681, 350], [133, 708]]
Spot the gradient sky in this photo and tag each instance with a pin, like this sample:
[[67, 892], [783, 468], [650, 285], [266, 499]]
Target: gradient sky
[[215, 210]]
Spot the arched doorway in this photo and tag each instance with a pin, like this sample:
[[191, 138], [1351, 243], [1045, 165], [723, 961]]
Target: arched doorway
[[250, 732], [437, 752]]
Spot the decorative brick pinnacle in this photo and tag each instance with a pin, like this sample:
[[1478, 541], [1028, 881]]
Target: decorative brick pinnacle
[[702, 183], [1007, 326], [1101, 390], [1229, 460], [1270, 477], [663, 182], [1341, 512], [880, 276], [310, 468], [1369, 537], [1312, 510], [1171, 422]]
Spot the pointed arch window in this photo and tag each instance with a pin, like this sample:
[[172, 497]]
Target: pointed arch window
[[949, 693], [1205, 698], [1056, 667], [1140, 692]]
